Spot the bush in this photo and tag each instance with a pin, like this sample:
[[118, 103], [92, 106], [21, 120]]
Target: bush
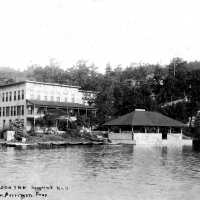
[[74, 133], [18, 127]]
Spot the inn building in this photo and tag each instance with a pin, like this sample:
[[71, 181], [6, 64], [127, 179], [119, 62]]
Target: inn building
[[29, 100]]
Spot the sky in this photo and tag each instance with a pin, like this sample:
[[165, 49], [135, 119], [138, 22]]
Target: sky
[[118, 32]]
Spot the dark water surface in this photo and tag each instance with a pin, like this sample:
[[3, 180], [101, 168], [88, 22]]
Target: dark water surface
[[104, 172]]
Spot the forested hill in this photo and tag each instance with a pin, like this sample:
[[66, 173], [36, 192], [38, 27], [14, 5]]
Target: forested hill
[[193, 65], [122, 89], [10, 75]]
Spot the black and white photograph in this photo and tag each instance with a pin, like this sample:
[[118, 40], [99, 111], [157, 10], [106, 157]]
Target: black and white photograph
[[99, 100]]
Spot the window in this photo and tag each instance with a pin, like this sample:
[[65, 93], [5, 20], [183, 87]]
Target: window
[[14, 110], [15, 95], [18, 94], [7, 111], [3, 111], [22, 94], [45, 98], [6, 96], [52, 99], [30, 110], [58, 99], [10, 96], [3, 96], [18, 110], [22, 110], [11, 111]]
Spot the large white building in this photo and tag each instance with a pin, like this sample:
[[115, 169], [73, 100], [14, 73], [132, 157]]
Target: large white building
[[28, 100]]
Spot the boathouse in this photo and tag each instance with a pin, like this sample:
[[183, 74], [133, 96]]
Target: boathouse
[[145, 127]]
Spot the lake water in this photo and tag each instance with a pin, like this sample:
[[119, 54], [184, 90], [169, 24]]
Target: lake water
[[102, 172]]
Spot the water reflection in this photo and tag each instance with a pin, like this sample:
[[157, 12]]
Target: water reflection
[[106, 172]]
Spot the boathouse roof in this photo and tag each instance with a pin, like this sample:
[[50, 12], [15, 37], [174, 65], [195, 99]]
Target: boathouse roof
[[144, 118]]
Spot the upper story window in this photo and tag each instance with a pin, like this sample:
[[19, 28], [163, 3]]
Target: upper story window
[[6, 96], [10, 96], [22, 94], [15, 95], [3, 96], [19, 95]]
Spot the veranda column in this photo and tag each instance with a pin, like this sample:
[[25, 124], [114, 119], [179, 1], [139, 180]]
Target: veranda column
[[25, 117], [34, 117]]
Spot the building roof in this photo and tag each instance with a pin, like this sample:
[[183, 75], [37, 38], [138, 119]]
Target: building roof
[[144, 118], [54, 104], [36, 82]]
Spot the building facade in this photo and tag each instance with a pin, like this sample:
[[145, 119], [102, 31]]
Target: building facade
[[28, 100]]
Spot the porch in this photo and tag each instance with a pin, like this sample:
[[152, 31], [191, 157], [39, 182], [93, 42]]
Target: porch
[[58, 111]]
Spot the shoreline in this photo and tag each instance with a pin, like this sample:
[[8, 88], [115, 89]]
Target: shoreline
[[52, 141]]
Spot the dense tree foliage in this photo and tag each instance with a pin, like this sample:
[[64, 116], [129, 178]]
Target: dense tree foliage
[[173, 89]]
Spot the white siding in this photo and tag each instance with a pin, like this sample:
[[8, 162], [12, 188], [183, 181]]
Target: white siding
[[11, 103], [55, 92]]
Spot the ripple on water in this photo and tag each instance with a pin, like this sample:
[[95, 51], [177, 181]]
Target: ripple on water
[[107, 172]]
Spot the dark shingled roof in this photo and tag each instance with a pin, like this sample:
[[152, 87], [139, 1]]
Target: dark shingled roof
[[144, 118], [59, 104]]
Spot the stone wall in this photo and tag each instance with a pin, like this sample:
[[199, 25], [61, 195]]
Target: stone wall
[[149, 139]]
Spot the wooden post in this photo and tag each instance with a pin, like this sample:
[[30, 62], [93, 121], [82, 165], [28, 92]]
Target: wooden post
[[132, 133], [170, 130], [34, 117], [67, 123], [56, 123], [158, 130], [145, 130], [25, 117]]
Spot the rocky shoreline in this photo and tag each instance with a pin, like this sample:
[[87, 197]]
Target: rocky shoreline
[[49, 144], [53, 141]]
